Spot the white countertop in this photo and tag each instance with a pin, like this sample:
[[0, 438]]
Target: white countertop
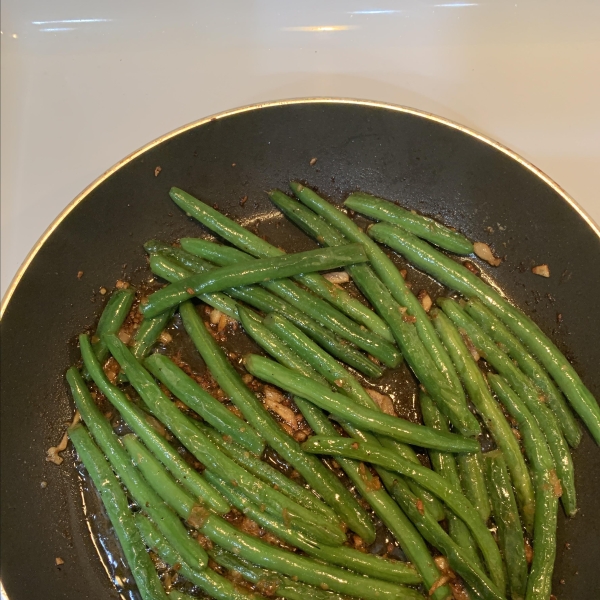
[[85, 83]]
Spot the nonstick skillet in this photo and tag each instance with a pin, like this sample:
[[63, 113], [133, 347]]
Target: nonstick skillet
[[431, 165]]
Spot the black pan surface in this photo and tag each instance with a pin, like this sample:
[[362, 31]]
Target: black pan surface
[[429, 165]]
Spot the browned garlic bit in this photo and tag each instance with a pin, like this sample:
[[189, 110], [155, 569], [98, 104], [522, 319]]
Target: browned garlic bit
[[542, 270], [425, 300], [469, 344], [53, 452], [384, 402], [215, 316], [59, 561], [485, 253], [312, 161], [274, 401], [337, 277]]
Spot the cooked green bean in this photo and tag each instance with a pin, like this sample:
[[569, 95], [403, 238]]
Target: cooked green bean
[[526, 391], [208, 581], [267, 302], [342, 556], [168, 522], [547, 490], [305, 569], [263, 269], [209, 455], [117, 508], [114, 314], [199, 400], [337, 375], [269, 474], [419, 343], [492, 415], [509, 343], [245, 240], [459, 561], [366, 418], [458, 277], [273, 583], [444, 464], [386, 509], [506, 516], [423, 227], [323, 481], [137, 421], [431, 481], [304, 301], [470, 472]]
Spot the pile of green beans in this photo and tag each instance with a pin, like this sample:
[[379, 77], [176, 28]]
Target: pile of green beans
[[191, 481]]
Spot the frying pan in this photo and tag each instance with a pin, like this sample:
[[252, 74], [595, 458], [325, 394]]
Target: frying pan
[[434, 166]]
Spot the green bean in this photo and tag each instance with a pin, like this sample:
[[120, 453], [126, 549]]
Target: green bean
[[269, 474], [136, 419], [342, 556], [140, 491], [179, 255], [419, 343], [117, 508], [547, 489], [208, 581], [459, 561], [470, 472], [265, 301], [199, 400], [444, 464], [325, 483], [431, 481], [506, 516], [272, 583], [304, 301], [245, 240], [114, 314], [458, 277], [492, 415], [306, 570], [337, 375], [262, 269], [209, 455], [386, 509], [526, 391], [156, 475], [510, 344], [423, 227], [367, 418]]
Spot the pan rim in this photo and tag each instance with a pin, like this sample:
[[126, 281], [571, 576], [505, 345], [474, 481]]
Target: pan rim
[[291, 101]]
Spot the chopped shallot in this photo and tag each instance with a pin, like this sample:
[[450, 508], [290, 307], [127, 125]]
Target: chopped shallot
[[52, 452], [384, 402], [337, 277], [542, 270], [485, 253]]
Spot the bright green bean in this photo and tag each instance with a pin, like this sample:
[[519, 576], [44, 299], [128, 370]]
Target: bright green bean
[[117, 508], [444, 464], [114, 314], [458, 277], [366, 418], [325, 483], [509, 343], [342, 556], [547, 490], [506, 516], [141, 492], [245, 240], [199, 400], [526, 391], [261, 270], [423, 227], [272, 583], [488, 408], [304, 301], [419, 343], [472, 480], [431, 481], [209, 455], [208, 581], [137, 421]]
